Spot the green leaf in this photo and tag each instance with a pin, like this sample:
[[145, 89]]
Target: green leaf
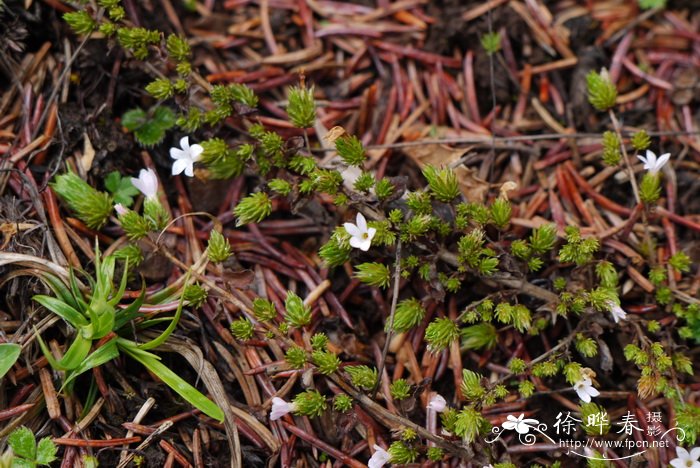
[[76, 353], [491, 42], [102, 355], [22, 463], [154, 343], [149, 128], [174, 381], [60, 289], [23, 443], [90, 205], [649, 4], [117, 296], [602, 92], [374, 274], [121, 188], [164, 118], [133, 119], [9, 353], [63, 310], [131, 312], [45, 451]]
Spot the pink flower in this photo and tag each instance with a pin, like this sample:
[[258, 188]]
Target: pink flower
[[437, 403], [147, 183], [120, 209], [379, 458], [617, 312], [281, 408]]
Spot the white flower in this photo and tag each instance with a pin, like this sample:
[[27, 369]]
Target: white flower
[[617, 312], [585, 390], [520, 424], [361, 235], [652, 164], [379, 458], [280, 408], [437, 403], [120, 209], [185, 157], [147, 183], [685, 459]]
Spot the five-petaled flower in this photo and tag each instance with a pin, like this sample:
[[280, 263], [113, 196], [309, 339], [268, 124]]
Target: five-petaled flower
[[147, 183], [281, 408], [617, 312], [361, 235], [379, 458], [437, 403], [520, 424], [652, 163], [585, 390], [686, 459], [185, 157]]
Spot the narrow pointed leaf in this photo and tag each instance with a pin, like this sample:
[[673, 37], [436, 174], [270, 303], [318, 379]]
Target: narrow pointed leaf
[[102, 355], [63, 310], [174, 381], [76, 353], [9, 353]]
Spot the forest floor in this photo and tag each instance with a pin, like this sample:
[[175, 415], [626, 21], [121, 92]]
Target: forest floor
[[413, 81]]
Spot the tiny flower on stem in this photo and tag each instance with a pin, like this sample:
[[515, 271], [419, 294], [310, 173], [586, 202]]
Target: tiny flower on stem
[[147, 183], [686, 459], [585, 390], [185, 157], [281, 408], [379, 458], [437, 403], [361, 235], [617, 312], [120, 209], [652, 163]]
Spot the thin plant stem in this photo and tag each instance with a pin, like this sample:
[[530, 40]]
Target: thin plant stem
[[635, 187], [390, 332], [625, 156], [307, 141]]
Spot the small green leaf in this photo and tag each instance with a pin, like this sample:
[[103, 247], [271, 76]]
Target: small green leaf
[[149, 128], [164, 118], [76, 353], [374, 274], [9, 353], [46, 451], [149, 134], [602, 92], [121, 188], [63, 310], [174, 381], [133, 119], [649, 4], [22, 463], [491, 42], [23, 443], [104, 354], [160, 339]]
